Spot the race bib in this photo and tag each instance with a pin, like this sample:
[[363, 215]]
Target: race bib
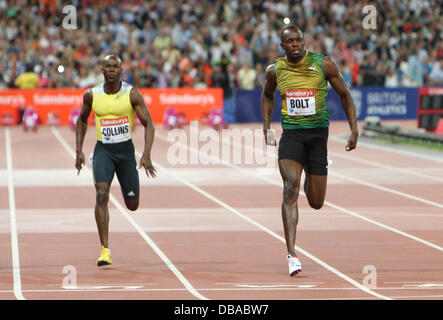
[[115, 130], [300, 102]]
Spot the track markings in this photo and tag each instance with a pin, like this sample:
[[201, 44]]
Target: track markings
[[13, 220], [385, 166], [268, 231], [388, 149], [141, 232], [276, 285], [258, 177], [358, 181], [327, 203], [389, 190], [92, 287]]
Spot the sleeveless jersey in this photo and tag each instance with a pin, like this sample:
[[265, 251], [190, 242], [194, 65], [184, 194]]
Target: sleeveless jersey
[[114, 114], [303, 90]]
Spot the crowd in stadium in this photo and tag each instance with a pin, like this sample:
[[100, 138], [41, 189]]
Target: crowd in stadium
[[196, 43]]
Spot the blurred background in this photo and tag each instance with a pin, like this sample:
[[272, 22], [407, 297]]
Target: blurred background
[[223, 44], [184, 43]]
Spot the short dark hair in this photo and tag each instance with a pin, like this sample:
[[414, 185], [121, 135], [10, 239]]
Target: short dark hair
[[29, 67], [289, 27], [111, 56]]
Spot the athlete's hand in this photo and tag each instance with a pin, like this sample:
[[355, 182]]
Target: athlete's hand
[[352, 141], [145, 162], [269, 137], [79, 161]]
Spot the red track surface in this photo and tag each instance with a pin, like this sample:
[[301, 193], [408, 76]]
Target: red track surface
[[221, 232]]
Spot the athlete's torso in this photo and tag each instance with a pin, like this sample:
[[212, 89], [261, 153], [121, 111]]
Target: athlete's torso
[[28, 80], [114, 114], [303, 90]]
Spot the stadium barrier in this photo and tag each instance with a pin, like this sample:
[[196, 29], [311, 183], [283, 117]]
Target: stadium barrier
[[386, 103], [55, 105]]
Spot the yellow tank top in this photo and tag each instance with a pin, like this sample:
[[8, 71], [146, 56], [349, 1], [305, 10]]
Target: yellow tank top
[[28, 80], [114, 114], [303, 90]]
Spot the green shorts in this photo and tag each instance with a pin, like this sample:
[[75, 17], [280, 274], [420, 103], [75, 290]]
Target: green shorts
[[118, 158]]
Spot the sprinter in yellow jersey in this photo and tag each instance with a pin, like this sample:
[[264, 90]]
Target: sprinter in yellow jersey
[[115, 104], [301, 77]]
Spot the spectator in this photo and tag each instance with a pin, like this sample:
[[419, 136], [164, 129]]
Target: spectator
[[427, 69], [338, 9], [260, 76], [149, 77], [246, 76], [346, 73], [84, 80], [221, 79], [174, 78], [174, 36], [43, 80], [162, 81], [391, 79], [3, 82], [383, 64], [436, 76], [66, 76], [128, 72], [27, 80], [372, 75], [162, 40], [415, 69]]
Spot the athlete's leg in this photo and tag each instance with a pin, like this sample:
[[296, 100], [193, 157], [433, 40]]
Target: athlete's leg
[[132, 204], [130, 186], [316, 168], [315, 189], [127, 175], [102, 212], [290, 171], [103, 173]]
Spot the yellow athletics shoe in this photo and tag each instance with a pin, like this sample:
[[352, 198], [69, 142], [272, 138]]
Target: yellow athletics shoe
[[105, 258]]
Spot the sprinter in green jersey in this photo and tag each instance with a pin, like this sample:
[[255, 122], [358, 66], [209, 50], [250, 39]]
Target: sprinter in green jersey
[[301, 77]]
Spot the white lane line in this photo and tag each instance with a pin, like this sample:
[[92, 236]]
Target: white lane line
[[390, 150], [355, 180], [270, 232], [143, 234], [82, 288], [327, 203], [13, 221], [157, 250], [382, 225], [389, 190], [430, 244]]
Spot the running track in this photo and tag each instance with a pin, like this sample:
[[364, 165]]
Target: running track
[[214, 231]]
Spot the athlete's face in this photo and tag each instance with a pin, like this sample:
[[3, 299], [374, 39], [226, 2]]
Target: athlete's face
[[293, 43], [112, 69]]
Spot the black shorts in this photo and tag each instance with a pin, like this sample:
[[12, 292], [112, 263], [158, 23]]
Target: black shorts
[[118, 158], [309, 147]]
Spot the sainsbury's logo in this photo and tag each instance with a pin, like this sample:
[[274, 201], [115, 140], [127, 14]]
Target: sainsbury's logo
[[114, 122], [177, 99], [17, 100], [300, 93], [57, 99]]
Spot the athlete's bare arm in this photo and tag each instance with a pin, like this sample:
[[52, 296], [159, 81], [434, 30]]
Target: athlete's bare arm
[[338, 83], [143, 114], [268, 103], [80, 130]]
